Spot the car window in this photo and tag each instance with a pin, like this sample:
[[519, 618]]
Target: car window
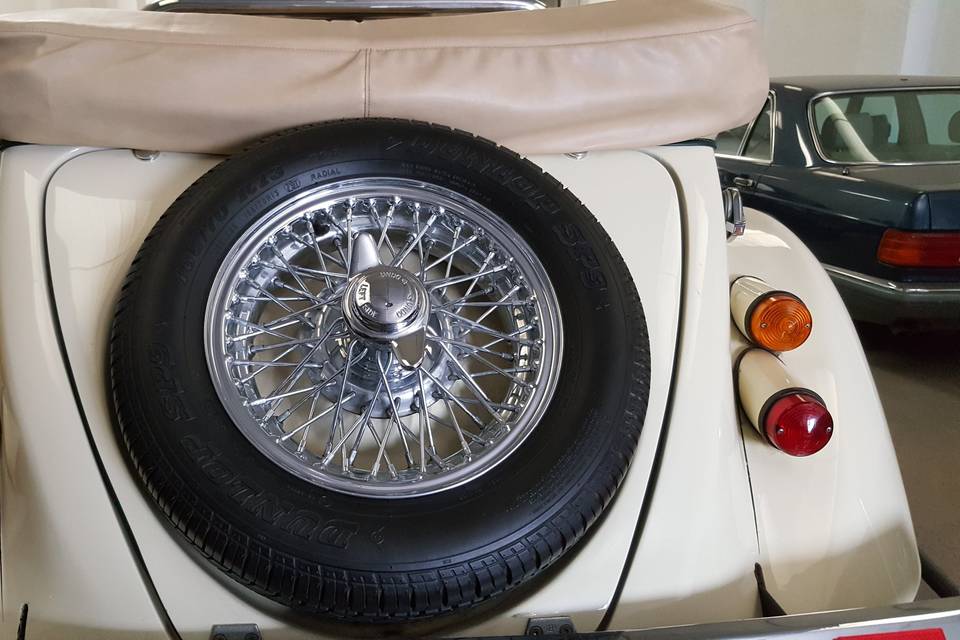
[[885, 121], [820, 113], [761, 136], [939, 110], [728, 142], [889, 126]]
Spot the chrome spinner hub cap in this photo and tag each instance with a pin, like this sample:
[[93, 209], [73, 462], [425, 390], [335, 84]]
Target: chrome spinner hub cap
[[386, 303]]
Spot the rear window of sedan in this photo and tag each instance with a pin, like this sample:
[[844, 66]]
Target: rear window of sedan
[[912, 126]]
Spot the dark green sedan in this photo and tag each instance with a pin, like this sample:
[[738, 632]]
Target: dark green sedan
[[866, 171]]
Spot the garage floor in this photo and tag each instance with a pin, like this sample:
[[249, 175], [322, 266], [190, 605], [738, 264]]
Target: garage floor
[[918, 377]]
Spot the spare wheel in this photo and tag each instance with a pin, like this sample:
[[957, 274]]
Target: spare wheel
[[379, 370]]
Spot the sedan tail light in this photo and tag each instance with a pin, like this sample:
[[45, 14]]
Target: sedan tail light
[[919, 248], [792, 418], [774, 320], [906, 634]]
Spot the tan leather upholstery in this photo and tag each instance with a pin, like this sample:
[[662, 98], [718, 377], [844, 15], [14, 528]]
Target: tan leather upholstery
[[623, 74]]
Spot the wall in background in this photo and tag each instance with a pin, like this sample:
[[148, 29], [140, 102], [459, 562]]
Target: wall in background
[[820, 37], [9, 6], [919, 37], [803, 37]]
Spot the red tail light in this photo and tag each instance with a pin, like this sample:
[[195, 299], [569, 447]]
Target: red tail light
[[788, 415], [919, 249], [798, 423]]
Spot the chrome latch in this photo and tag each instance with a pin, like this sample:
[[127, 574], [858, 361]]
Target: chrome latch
[[733, 210]]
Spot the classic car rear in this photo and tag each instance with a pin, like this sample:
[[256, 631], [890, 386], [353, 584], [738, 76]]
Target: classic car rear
[[272, 372], [867, 171]]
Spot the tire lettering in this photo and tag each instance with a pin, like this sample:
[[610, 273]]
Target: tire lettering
[[170, 391], [483, 164], [265, 505], [591, 275]]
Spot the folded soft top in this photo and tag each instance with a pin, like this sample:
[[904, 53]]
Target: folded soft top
[[616, 75]]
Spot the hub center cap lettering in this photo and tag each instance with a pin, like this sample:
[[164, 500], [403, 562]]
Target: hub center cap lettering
[[385, 303]]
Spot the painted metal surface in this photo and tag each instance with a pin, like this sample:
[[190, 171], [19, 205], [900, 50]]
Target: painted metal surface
[[102, 206], [841, 537], [694, 562], [63, 549], [834, 529]]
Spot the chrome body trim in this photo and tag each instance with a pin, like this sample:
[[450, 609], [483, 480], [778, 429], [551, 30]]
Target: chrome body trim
[[772, 97], [733, 210], [342, 8], [942, 614], [863, 279], [811, 124]]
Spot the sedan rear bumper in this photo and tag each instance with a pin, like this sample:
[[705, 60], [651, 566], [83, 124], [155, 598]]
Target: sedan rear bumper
[[925, 620], [886, 302]]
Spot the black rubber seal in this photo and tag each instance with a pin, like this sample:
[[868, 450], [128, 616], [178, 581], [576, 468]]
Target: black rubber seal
[[22, 625], [769, 606]]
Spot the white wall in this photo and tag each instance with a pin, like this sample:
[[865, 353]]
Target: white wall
[[803, 37], [9, 6], [816, 37]]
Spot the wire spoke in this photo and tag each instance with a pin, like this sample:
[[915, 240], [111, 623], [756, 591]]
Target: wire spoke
[[394, 407], [455, 399], [403, 253], [470, 277], [475, 326], [467, 346], [448, 256], [496, 369]]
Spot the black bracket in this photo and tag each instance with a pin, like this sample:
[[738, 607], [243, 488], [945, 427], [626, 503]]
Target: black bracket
[[558, 626], [235, 632]]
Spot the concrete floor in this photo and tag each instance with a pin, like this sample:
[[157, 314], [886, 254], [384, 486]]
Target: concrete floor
[[918, 377]]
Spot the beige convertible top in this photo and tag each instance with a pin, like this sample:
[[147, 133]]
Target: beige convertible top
[[616, 75]]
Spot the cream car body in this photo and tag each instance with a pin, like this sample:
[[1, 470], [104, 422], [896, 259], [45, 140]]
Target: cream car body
[[704, 501], [84, 548]]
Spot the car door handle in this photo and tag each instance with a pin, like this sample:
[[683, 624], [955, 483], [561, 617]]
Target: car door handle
[[746, 183]]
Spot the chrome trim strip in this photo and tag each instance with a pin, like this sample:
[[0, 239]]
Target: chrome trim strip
[[889, 285], [772, 96], [811, 124], [341, 7], [943, 614]]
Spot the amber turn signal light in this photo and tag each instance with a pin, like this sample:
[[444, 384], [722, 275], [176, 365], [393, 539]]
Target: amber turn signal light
[[772, 319]]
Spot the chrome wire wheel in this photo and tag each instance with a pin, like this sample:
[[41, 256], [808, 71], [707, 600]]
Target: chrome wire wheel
[[383, 337]]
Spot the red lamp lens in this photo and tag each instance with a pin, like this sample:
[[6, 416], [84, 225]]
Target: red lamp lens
[[919, 249], [798, 424]]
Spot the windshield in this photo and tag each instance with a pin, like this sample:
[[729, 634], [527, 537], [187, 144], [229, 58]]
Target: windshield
[[889, 126]]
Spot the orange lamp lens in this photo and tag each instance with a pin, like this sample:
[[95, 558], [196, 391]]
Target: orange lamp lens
[[780, 322]]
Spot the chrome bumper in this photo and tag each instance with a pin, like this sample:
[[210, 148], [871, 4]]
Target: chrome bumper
[[927, 620], [887, 302], [932, 615]]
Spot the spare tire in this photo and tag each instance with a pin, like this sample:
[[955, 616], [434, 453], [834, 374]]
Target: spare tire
[[379, 370]]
